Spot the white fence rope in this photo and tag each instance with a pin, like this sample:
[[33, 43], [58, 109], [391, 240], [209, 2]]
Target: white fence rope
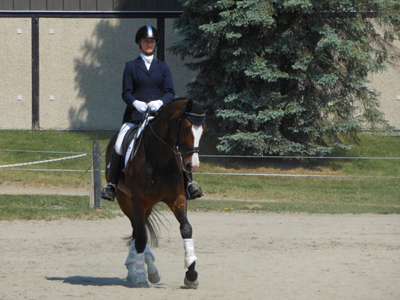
[[50, 170], [12, 166], [296, 175], [36, 151], [43, 161], [299, 157], [233, 156]]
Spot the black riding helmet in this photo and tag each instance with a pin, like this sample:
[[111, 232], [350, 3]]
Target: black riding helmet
[[146, 32]]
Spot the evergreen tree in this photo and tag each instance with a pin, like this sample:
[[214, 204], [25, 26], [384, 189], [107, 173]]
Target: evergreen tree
[[288, 77]]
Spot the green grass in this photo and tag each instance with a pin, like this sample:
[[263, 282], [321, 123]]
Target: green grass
[[48, 207], [49, 141], [293, 207], [353, 190], [370, 186]]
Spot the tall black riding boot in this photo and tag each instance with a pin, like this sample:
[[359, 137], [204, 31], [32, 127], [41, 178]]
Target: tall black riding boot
[[110, 190], [191, 192]]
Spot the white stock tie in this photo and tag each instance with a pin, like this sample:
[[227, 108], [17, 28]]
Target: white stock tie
[[148, 62]]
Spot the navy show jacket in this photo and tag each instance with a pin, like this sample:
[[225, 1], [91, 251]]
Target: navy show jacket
[[145, 85]]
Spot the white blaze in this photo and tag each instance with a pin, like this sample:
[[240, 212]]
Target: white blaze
[[197, 132]]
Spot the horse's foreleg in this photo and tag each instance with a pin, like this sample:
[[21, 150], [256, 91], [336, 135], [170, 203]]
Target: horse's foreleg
[[191, 276], [140, 241]]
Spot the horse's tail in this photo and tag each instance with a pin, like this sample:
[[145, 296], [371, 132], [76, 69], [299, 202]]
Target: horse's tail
[[152, 227]]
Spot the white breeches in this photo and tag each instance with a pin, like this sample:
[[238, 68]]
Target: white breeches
[[121, 135]]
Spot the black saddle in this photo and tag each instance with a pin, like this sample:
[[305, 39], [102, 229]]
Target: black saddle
[[129, 136]]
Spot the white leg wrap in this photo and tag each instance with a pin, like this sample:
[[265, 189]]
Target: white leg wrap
[[148, 251], [140, 268], [139, 263], [130, 263], [131, 255], [190, 257], [149, 259]]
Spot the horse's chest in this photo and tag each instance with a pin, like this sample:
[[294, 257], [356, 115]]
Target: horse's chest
[[161, 173]]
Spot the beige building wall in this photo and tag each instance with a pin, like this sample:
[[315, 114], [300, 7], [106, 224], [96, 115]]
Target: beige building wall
[[15, 74], [388, 85], [81, 66]]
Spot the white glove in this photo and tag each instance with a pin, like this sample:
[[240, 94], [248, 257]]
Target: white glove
[[140, 106], [155, 105]]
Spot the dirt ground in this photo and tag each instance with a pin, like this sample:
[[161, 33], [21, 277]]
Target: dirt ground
[[240, 256]]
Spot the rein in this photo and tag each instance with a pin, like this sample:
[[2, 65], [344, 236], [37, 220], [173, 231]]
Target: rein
[[175, 148]]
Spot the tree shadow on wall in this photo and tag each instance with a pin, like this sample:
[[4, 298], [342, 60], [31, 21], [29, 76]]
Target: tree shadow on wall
[[98, 80], [99, 69], [100, 63]]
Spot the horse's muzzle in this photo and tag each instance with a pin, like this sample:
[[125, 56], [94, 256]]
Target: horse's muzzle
[[195, 161], [189, 167]]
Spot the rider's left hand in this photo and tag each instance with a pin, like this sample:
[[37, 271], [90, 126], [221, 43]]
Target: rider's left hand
[[155, 105]]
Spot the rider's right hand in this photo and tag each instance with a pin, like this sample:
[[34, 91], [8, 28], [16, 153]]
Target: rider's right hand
[[140, 106]]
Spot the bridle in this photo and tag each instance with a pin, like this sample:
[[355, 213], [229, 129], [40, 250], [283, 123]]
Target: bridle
[[177, 147]]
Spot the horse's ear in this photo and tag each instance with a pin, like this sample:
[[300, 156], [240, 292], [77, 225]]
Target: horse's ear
[[189, 105]]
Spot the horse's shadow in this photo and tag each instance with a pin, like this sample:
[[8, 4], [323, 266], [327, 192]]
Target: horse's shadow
[[96, 281]]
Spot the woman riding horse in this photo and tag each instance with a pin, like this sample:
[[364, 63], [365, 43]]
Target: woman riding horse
[[147, 85], [167, 147]]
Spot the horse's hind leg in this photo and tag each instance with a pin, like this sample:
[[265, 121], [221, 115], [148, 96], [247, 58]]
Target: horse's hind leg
[[140, 241], [130, 263], [125, 204], [152, 271], [191, 276]]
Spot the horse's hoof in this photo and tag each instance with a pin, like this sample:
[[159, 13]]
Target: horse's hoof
[[142, 284], [154, 278], [131, 279], [191, 284]]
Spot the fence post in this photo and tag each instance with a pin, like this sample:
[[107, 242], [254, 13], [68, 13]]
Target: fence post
[[96, 177]]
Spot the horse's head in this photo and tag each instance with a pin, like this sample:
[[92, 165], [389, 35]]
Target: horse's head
[[192, 127], [180, 125]]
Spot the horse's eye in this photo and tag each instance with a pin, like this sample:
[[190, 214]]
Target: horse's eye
[[186, 130]]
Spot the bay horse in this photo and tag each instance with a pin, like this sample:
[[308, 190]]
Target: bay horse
[[168, 146]]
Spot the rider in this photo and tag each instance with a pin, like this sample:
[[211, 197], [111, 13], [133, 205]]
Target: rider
[[147, 84]]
